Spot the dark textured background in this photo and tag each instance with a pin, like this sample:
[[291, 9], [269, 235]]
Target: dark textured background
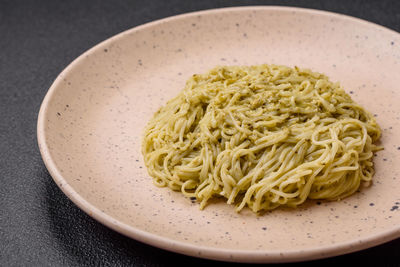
[[39, 225]]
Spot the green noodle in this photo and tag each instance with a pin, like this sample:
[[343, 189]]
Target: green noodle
[[261, 136]]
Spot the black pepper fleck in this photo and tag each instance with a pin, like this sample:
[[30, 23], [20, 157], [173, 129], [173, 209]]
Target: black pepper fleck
[[355, 206], [106, 50], [351, 92], [371, 204], [392, 43], [58, 113], [264, 228], [394, 208]]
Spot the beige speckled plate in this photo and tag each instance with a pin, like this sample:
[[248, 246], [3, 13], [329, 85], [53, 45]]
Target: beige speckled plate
[[91, 120]]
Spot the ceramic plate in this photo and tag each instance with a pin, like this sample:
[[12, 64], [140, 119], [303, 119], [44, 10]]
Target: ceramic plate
[[91, 122]]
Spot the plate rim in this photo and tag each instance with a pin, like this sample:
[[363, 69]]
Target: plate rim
[[224, 254]]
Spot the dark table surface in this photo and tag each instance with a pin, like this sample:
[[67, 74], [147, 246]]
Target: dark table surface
[[39, 225]]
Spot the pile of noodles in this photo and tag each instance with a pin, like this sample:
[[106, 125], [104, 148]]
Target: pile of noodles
[[261, 136]]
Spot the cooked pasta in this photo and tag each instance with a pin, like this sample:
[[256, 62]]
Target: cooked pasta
[[261, 136]]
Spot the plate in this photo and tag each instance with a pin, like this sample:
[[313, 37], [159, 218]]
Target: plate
[[91, 122]]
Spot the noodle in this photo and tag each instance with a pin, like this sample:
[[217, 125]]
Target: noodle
[[261, 136]]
